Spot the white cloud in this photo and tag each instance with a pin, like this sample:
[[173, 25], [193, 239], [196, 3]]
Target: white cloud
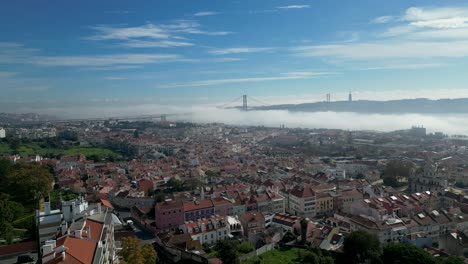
[[155, 44], [397, 31], [287, 76], [399, 49], [114, 68], [307, 73], [123, 33], [115, 78], [238, 50], [227, 59], [427, 14], [105, 60], [382, 19], [206, 13], [453, 33], [6, 75], [410, 66], [152, 35], [293, 7], [454, 22]]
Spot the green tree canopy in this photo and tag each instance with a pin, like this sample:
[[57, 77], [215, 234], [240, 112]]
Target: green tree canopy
[[149, 254], [132, 252], [450, 260], [245, 247], [360, 246], [9, 211], [399, 168], [316, 258], [405, 254], [227, 251], [30, 181]]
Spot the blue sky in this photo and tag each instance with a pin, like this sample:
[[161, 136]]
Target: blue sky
[[208, 52]]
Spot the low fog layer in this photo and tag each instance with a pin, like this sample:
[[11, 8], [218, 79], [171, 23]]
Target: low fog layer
[[451, 124]]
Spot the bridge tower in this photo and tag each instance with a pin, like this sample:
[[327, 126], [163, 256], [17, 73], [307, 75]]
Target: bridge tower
[[244, 102]]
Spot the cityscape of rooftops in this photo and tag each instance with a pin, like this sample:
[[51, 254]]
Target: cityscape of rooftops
[[234, 132]]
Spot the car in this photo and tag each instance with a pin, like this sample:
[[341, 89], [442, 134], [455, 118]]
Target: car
[[24, 259]]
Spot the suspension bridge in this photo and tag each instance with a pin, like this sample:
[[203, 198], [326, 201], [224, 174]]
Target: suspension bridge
[[241, 102], [245, 105]]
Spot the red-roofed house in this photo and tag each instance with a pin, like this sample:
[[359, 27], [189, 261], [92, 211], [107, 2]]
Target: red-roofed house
[[145, 185], [301, 201], [222, 206], [198, 209]]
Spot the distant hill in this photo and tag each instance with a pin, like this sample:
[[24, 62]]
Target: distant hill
[[420, 106]]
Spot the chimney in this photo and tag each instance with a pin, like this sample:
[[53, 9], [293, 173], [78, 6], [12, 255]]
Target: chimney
[[47, 207], [99, 208]]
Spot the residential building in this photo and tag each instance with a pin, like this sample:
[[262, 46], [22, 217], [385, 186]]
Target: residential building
[[2, 133], [207, 231], [428, 180], [169, 215], [88, 241], [285, 221], [235, 226], [49, 222], [222, 206], [198, 209], [74, 209], [323, 204], [253, 224], [302, 201]]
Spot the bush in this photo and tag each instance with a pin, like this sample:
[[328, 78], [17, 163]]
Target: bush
[[245, 248]]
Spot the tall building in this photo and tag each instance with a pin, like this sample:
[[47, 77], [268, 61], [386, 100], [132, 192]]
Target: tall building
[[2, 133], [350, 97]]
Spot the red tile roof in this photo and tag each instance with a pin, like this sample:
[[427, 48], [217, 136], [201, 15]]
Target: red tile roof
[[107, 204], [80, 249], [197, 205], [17, 248], [95, 228]]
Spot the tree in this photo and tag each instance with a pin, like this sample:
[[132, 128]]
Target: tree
[[304, 225], [30, 181], [9, 211], [132, 252], [175, 185], [288, 237], [245, 247], [399, 168], [149, 254], [391, 181], [450, 260], [14, 145], [405, 254], [227, 251], [6, 168], [360, 246], [316, 258]]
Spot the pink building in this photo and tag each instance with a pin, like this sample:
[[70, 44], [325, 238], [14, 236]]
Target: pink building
[[169, 215]]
